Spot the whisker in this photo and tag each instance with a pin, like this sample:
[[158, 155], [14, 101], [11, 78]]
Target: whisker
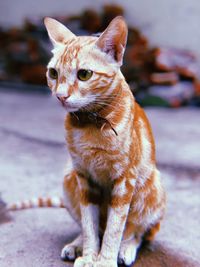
[[104, 104]]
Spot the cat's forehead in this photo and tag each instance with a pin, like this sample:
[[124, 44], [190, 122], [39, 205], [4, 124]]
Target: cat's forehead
[[73, 48], [77, 49], [79, 52]]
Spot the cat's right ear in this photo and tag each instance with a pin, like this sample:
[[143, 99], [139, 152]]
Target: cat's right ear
[[57, 32], [113, 40]]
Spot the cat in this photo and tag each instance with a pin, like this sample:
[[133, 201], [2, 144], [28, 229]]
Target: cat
[[112, 187]]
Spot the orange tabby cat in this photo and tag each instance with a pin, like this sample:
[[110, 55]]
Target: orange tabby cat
[[112, 188]]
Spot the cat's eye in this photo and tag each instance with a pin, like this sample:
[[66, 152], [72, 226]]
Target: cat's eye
[[53, 74], [84, 75]]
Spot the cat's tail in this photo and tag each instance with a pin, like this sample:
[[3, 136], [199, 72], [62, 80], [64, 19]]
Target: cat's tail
[[39, 202]]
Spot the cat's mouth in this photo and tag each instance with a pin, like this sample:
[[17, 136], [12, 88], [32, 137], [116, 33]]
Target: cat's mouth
[[68, 107]]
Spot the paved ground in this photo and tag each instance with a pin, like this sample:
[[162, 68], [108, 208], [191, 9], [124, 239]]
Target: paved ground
[[32, 159]]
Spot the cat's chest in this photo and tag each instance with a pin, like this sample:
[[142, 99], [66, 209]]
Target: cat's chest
[[95, 153]]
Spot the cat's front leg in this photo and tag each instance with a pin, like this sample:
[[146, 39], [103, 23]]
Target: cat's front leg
[[117, 215], [90, 225]]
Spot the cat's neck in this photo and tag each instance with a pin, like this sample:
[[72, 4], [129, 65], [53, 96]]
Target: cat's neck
[[105, 116], [83, 119]]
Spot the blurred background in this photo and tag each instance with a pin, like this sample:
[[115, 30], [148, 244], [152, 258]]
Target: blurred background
[[162, 57], [162, 67]]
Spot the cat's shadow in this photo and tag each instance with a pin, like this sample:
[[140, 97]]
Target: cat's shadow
[[158, 255], [154, 254]]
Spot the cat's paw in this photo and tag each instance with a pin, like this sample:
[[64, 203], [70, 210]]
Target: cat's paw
[[105, 263], [127, 253], [71, 252], [85, 261]]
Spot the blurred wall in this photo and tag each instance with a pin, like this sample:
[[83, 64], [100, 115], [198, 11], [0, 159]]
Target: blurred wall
[[164, 22]]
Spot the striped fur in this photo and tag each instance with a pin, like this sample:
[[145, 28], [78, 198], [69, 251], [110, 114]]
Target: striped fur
[[112, 187], [40, 202]]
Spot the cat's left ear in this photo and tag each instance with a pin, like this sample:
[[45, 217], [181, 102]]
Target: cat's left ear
[[113, 40], [57, 32]]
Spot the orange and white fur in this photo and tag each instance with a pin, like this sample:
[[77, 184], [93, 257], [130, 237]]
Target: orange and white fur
[[112, 187]]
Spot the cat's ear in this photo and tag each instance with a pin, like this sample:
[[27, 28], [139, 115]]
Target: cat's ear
[[113, 40], [57, 32]]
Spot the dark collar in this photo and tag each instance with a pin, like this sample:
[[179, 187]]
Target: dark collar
[[81, 119]]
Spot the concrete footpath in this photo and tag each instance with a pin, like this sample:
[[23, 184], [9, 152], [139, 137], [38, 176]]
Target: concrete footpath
[[32, 160]]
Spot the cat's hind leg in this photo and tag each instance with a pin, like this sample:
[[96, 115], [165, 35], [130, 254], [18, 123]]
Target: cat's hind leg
[[150, 233], [128, 250], [71, 200], [73, 250], [129, 246], [72, 196]]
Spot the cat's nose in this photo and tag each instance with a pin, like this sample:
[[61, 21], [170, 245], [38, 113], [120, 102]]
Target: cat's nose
[[62, 98]]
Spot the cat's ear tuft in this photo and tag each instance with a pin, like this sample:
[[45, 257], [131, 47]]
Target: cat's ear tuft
[[57, 32], [113, 40]]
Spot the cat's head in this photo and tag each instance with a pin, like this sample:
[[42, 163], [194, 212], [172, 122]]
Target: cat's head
[[85, 70]]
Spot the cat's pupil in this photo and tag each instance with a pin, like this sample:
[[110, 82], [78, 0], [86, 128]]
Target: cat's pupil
[[53, 74], [84, 75]]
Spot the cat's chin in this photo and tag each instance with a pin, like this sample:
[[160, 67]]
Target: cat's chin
[[71, 109], [86, 108]]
